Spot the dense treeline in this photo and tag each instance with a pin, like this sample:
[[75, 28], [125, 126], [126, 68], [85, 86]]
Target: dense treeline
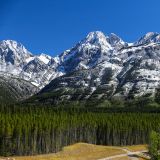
[[144, 103], [35, 130], [154, 145]]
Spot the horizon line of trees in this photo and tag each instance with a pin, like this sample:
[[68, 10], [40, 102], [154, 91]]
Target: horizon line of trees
[[35, 130]]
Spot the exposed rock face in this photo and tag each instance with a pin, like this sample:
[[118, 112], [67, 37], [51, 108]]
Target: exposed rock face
[[21, 73], [98, 66], [14, 89], [17, 61], [106, 66]]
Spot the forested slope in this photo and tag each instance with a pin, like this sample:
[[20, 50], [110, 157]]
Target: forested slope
[[36, 130]]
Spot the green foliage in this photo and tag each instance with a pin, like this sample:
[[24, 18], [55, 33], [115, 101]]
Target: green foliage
[[154, 146], [105, 104], [153, 105], [117, 102], [26, 130]]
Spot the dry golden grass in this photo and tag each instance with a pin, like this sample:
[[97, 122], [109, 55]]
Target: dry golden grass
[[83, 151], [128, 158], [135, 148], [79, 151], [122, 158]]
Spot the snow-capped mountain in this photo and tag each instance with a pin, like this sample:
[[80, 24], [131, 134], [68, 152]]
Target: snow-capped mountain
[[16, 60], [105, 66], [98, 66], [150, 37]]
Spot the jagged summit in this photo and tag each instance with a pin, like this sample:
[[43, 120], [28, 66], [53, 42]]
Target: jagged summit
[[16, 60], [113, 38], [149, 38], [116, 42], [14, 46], [99, 61], [95, 37], [106, 66]]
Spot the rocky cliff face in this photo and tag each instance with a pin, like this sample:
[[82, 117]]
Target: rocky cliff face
[[22, 74], [105, 66], [98, 66], [14, 89], [17, 61]]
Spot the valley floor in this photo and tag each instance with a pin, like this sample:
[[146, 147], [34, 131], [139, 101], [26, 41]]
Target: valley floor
[[83, 151]]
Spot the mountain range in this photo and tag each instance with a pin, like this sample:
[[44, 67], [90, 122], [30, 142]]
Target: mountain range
[[97, 67]]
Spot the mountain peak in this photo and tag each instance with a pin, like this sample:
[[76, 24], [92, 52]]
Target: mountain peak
[[97, 38], [13, 53], [149, 38], [116, 42], [114, 39], [95, 35], [8, 42], [151, 34], [12, 43], [15, 47], [114, 35]]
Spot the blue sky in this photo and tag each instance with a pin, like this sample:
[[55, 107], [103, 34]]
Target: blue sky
[[52, 26]]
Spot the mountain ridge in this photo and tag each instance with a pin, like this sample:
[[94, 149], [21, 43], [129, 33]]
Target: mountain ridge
[[98, 62]]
